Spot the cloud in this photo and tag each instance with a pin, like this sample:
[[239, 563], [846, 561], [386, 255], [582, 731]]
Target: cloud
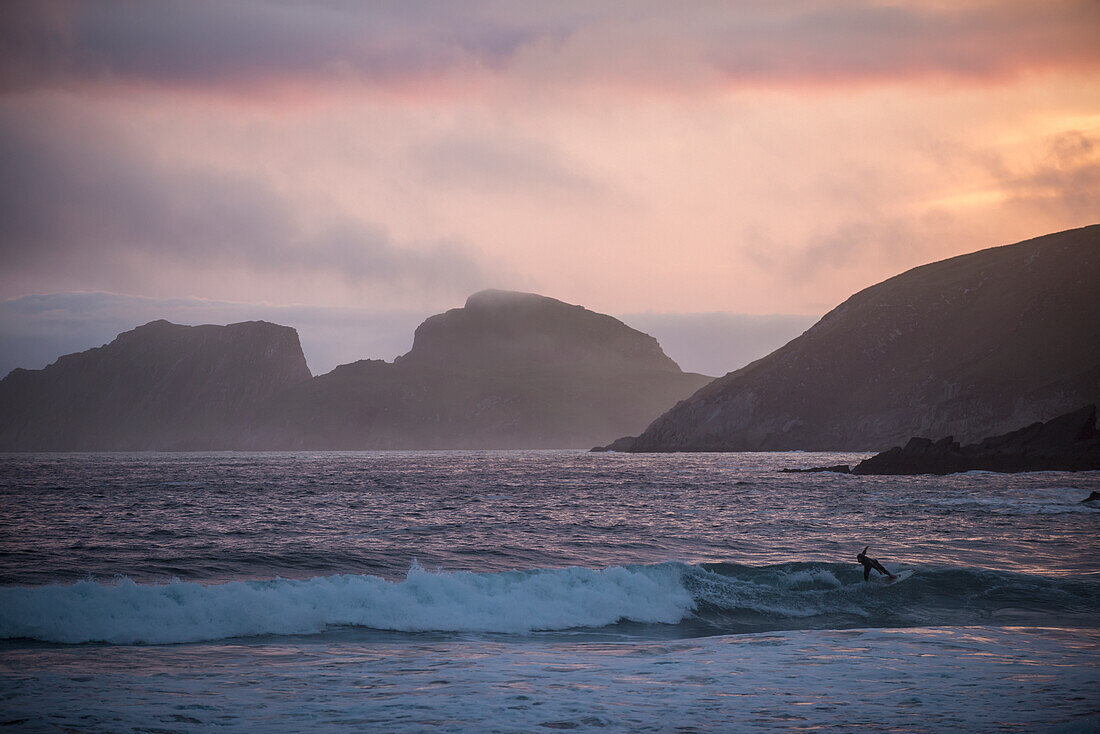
[[849, 41], [717, 343], [1066, 179], [408, 42], [77, 198], [593, 151], [189, 44], [827, 264], [882, 241], [501, 162]]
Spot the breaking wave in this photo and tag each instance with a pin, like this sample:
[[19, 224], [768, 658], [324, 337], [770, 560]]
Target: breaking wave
[[678, 598]]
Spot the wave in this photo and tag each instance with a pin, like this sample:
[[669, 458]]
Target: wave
[[688, 600], [124, 612]]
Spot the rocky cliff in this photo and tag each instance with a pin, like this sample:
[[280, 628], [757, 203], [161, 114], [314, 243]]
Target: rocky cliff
[[971, 346], [1069, 442], [159, 386], [508, 370]]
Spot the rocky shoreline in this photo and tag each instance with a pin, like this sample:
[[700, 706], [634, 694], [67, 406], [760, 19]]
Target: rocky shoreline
[[1069, 442]]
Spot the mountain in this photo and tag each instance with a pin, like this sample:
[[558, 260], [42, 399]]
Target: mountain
[[507, 370], [159, 386], [508, 329], [969, 347]]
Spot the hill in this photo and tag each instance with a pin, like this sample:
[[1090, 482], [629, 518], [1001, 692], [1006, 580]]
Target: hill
[[972, 346], [507, 370], [159, 386]]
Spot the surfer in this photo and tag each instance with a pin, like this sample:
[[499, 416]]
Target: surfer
[[869, 563]]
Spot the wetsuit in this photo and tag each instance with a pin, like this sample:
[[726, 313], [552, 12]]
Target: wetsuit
[[869, 563]]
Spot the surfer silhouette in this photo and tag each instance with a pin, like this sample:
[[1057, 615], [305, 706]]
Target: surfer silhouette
[[869, 563]]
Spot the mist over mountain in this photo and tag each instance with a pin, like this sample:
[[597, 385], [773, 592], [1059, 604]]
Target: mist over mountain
[[508, 370], [968, 347], [507, 328], [34, 329]]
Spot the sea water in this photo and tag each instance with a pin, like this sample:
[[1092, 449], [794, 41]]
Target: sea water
[[523, 591]]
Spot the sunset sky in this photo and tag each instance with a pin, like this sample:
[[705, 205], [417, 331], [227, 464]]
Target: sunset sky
[[751, 158]]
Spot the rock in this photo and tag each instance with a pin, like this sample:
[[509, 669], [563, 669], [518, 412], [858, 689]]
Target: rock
[[970, 346], [1067, 443], [621, 444], [837, 469], [1093, 497]]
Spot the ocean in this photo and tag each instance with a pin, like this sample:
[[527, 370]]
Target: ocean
[[540, 590]]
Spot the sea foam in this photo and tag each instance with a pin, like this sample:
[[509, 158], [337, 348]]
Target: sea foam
[[124, 612], [716, 598]]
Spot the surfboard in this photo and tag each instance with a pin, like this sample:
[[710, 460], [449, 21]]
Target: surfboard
[[899, 576]]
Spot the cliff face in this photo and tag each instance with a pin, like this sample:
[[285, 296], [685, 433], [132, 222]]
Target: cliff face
[[508, 370], [971, 346], [159, 386]]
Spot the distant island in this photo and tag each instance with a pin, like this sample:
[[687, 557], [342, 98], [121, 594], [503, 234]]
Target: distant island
[[508, 370], [159, 386], [969, 347]]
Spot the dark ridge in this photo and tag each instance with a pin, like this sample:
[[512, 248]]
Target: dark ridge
[[970, 346], [524, 329], [1067, 443], [159, 386], [508, 370]]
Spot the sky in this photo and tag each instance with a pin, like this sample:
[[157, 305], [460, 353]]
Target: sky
[[635, 157]]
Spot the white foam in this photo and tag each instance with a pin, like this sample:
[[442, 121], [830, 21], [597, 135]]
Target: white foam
[[124, 612], [810, 578], [788, 594]]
